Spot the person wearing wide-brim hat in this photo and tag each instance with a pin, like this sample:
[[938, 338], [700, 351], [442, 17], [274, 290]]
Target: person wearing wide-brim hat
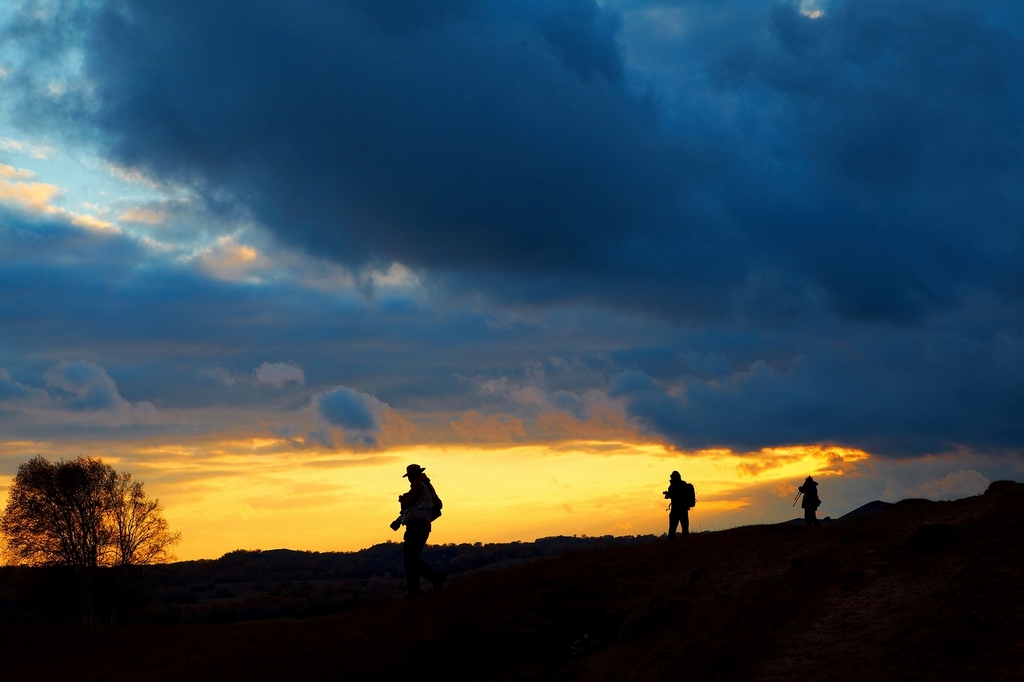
[[420, 506], [811, 501]]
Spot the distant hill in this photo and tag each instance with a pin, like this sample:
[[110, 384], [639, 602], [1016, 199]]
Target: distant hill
[[869, 508], [260, 584], [380, 560], [919, 590], [247, 585]]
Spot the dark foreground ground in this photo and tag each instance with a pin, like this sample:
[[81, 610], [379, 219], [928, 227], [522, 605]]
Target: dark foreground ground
[[919, 591]]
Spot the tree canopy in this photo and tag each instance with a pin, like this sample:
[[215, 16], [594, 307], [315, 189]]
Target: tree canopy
[[83, 514]]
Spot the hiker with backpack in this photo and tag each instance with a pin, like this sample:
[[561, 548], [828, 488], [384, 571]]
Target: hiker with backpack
[[420, 506], [811, 502], [682, 499]]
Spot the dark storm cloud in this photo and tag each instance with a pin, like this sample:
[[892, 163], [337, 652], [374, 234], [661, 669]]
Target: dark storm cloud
[[891, 141], [837, 201], [869, 158], [477, 139], [898, 394]]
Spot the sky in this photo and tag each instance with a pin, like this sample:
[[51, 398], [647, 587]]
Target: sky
[[262, 255]]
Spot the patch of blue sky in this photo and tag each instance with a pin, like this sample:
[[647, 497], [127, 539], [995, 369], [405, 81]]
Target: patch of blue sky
[[88, 184]]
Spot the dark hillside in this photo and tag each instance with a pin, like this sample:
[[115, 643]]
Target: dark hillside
[[258, 584], [918, 591]]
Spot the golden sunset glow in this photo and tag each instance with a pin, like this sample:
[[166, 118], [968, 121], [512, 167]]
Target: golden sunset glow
[[254, 493]]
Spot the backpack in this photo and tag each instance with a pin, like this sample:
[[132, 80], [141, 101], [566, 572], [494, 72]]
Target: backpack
[[438, 504], [691, 496]]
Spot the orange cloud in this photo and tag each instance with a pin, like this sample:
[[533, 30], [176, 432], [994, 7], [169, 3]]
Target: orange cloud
[[395, 429], [231, 261], [147, 216], [12, 172], [812, 458], [784, 490], [603, 424], [35, 197], [474, 427]]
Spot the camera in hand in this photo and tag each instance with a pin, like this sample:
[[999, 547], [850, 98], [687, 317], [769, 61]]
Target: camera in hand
[[396, 524]]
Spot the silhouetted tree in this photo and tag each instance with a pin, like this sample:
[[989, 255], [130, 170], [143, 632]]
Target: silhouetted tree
[[57, 513], [141, 532], [83, 514]]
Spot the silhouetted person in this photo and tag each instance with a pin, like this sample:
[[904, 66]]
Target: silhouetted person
[[811, 502], [420, 506], [682, 498]]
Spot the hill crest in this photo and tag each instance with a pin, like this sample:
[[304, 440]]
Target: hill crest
[[919, 590]]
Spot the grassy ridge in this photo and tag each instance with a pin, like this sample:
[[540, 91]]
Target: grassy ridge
[[920, 591]]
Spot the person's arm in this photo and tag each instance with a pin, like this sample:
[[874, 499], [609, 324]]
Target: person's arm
[[411, 497]]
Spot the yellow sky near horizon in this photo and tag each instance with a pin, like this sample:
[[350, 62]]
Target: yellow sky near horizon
[[255, 494]]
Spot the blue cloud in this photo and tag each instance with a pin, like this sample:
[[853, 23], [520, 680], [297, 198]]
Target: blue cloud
[[84, 386], [11, 389], [352, 411], [74, 390]]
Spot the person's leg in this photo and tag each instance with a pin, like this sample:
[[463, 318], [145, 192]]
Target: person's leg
[[809, 518], [426, 571], [684, 522], [415, 539], [435, 576], [672, 521]]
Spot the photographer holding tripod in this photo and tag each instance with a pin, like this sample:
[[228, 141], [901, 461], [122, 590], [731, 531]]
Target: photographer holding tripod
[[811, 501]]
